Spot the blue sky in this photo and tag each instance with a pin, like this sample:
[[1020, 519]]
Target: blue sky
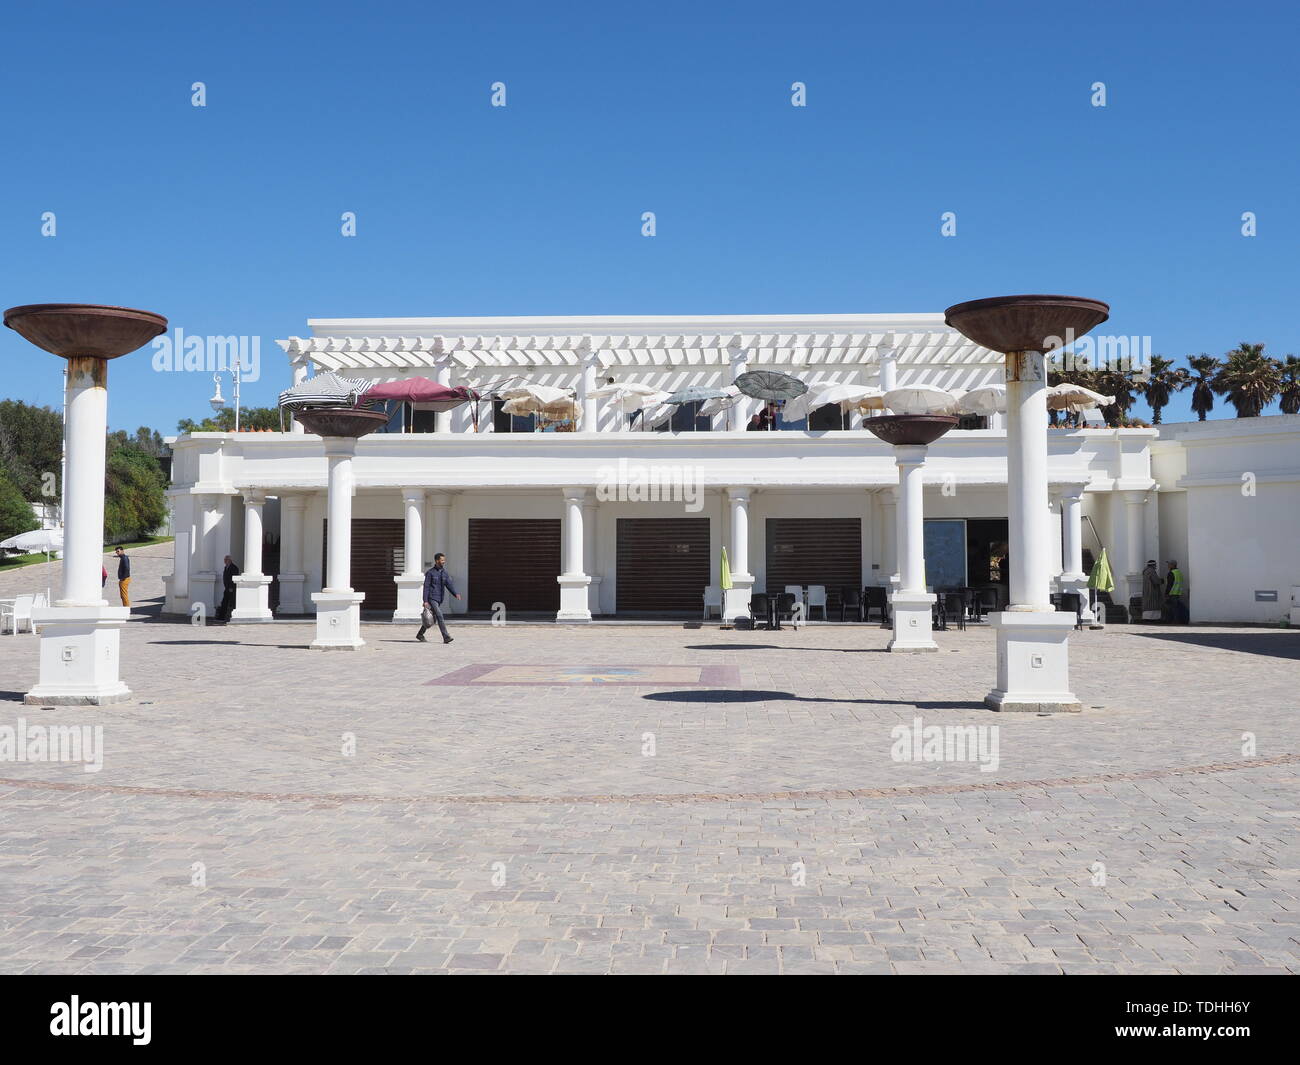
[[227, 218]]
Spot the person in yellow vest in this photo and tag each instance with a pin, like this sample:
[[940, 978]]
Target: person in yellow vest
[[1176, 593]]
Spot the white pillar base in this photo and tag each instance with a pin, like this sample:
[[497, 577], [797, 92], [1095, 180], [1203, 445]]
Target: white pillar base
[[172, 603], [410, 597], [291, 600], [1033, 663], [736, 599], [252, 600], [205, 588], [1078, 584], [79, 656], [573, 597], [338, 620], [913, 622]]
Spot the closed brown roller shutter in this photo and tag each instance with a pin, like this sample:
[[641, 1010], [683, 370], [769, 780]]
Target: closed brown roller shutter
[[378, 555], [663, 564], [514, 561], [808, 551]]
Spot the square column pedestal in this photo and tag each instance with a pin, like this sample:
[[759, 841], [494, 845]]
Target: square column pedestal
[[410, 592], [79, 656], [1033, 663], [338, 621], [736, 600], [913, 622], [573, 598], [252, 600]]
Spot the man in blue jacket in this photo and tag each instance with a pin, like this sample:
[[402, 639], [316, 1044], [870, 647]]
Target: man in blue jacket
[[435, 581]]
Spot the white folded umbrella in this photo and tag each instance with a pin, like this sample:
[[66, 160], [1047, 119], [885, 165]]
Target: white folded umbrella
[[988, 399], [920, 399], [1075, 398]]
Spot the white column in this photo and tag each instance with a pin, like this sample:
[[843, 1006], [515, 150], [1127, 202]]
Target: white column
[[889, 538], [252, 587], [573, 581], [1033, 657], [1073, 579], [79, 631], [911, 604], [177, 583], [292, 526], [1133, 554], [1056, 554], [736, 601], [745, 407], [589, 512], [338, 607], [590, 408], [410, 582], [442, 419]]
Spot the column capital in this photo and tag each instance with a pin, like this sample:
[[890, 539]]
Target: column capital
[[293, 500], [413, 495], [574, 494], [254, 497], [909, 454], [740, 493], [343, 447], [1135, 498], [1071, 491]]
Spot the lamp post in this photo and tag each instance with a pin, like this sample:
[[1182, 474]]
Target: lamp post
[[911, 605], [80, 631], [218, 401], [1033, 653]]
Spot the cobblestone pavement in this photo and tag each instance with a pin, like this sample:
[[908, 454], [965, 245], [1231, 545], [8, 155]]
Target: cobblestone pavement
[[761, 827]]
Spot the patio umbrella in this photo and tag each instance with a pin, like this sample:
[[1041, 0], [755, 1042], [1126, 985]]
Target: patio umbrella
[[325, 390], [694, 394], [630, 396], [770, 385], [724, 582], [920, 399], [716, 405], [1100, 579], [847, 397], [988, 399], [46, 540], [422, 390], [545, 400], [1075, 398]]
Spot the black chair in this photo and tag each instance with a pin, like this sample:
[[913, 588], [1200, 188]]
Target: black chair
[[760, 609], [1111, 613], [850, 599], [1073, 602], [954, 607], [984, 601], [875, 598], [784, 608]]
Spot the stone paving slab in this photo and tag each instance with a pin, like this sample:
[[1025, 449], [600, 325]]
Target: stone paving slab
[[265, 808]]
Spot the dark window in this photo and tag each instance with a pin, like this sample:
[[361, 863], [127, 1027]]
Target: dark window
[[511, 423]]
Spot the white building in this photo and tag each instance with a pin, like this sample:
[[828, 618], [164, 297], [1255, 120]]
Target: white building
[[610, 520]]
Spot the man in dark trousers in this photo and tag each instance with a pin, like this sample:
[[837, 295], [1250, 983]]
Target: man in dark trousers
[[123, 575], [228, 575], [435, 581]]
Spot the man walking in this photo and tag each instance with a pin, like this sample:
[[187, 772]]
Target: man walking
[[228, 575], [123, 575], [435, 581]]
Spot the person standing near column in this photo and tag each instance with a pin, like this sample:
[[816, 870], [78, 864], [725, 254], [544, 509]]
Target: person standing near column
[[123, 575], [436, 581], [1153, 592], [228, 574], [1174, 591]]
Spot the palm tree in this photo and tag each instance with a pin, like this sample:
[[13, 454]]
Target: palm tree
[[1289, 392], [1201, 377], [1249, 378], [1161, 384]]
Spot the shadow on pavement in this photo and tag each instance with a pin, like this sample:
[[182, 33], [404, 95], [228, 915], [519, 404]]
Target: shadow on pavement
[[726, 695], [1272, 643]]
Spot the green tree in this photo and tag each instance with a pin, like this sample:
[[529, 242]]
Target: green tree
[[31, 447], [1249, 378], [1204, 367], [1162, 382], [134, 500], [1289, 392], [224, 421], [16, 514]]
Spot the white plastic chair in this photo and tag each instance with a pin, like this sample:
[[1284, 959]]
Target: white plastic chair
[[16, 615], [816, 598], [712, 598]]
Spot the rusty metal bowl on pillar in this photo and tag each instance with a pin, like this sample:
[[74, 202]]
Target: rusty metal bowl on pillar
[[85, 329], [910, 428], [1025, 323], [340, 421]]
